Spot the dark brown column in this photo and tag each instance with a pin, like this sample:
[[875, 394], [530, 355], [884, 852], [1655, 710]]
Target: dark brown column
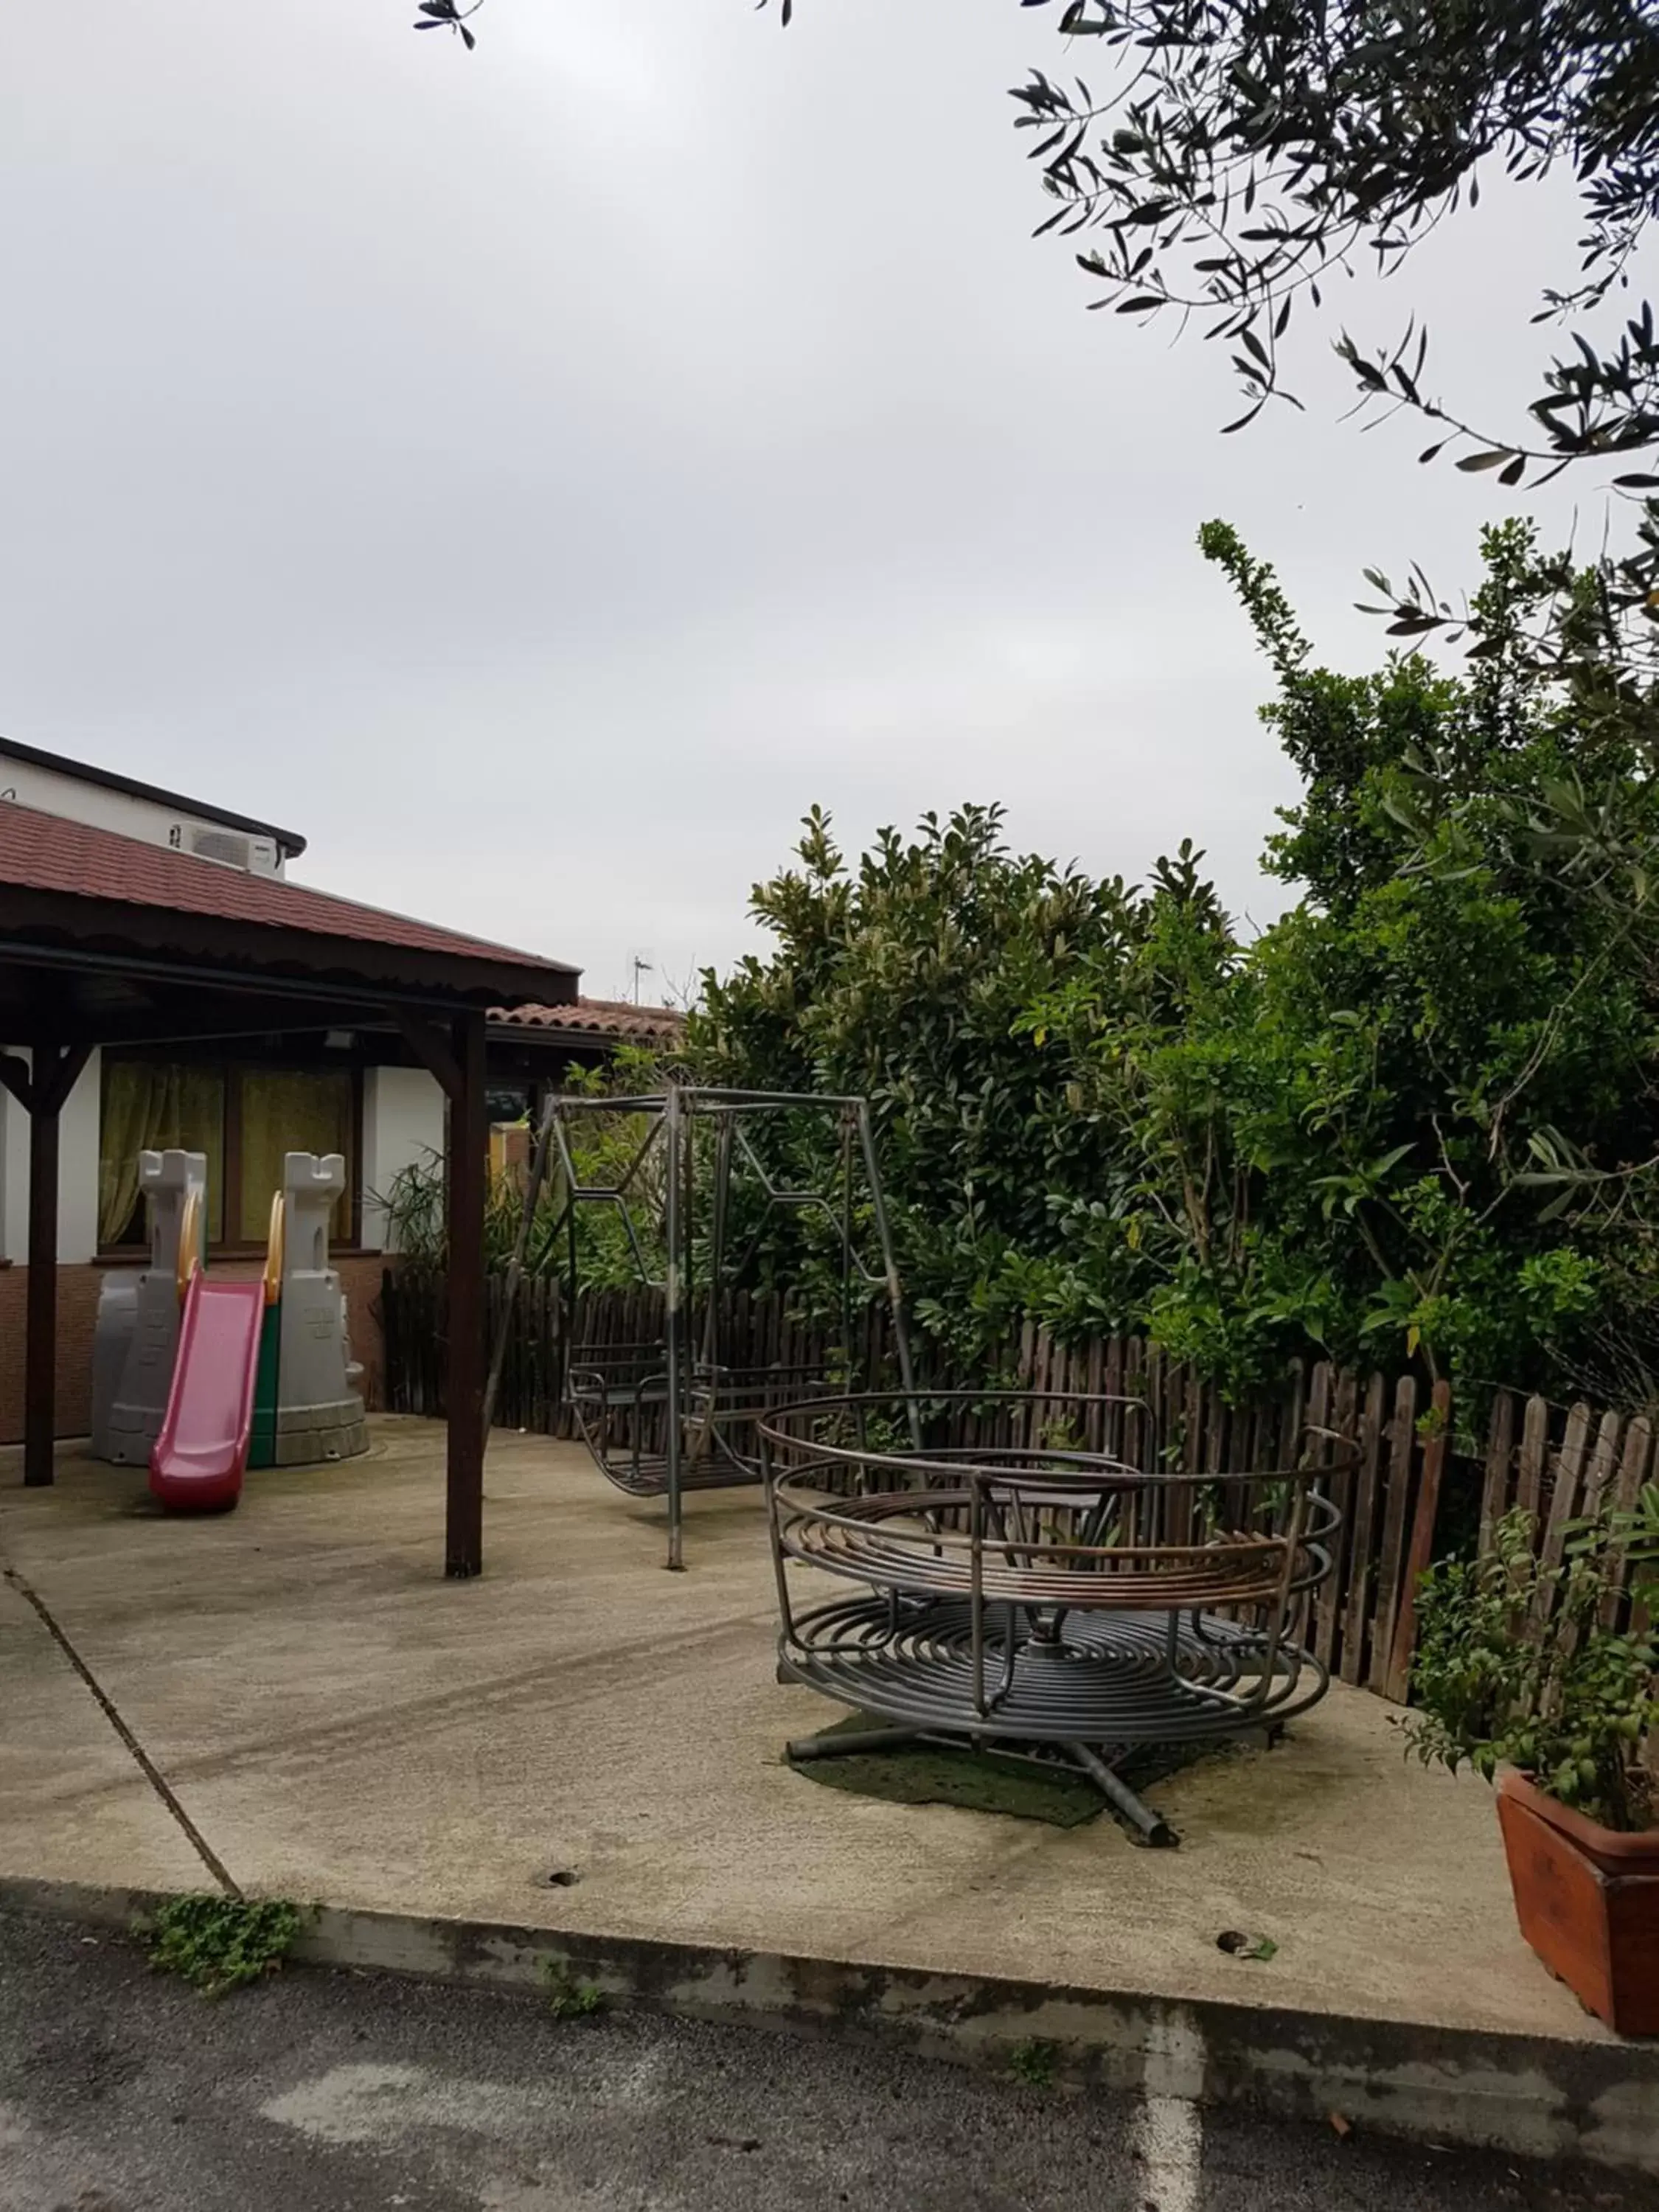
[[50, 1080], [40, 1356], [465, 1168]]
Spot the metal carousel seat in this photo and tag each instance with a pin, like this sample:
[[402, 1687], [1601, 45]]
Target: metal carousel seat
[[1060, 1603], [619, 1397]]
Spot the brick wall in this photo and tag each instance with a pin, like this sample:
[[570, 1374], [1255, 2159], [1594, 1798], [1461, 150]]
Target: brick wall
[[361, 1281], [78, 1314], [77, 1311]]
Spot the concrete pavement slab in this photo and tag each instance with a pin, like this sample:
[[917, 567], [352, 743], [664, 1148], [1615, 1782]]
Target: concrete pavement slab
[[344, 1725]]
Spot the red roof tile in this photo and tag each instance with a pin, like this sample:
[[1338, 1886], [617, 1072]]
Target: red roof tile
[[47, 853], [614, 1018]]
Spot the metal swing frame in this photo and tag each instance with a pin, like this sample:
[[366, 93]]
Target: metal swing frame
[[708, 1409]]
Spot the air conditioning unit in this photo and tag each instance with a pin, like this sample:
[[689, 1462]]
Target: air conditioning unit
[[233, 849]]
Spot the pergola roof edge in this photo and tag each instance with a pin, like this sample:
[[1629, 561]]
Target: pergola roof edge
[[246, 959], [70, 886]]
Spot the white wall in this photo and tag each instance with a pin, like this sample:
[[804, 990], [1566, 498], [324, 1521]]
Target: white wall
[[14, 1177], [94, 803], [78, 1166], [78, 1172], [403, 1123]]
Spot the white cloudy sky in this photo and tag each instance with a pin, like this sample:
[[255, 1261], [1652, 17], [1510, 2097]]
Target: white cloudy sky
[[538, 476]]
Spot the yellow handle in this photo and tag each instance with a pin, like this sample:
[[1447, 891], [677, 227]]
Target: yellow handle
[[274, 1247], [189, 1239]]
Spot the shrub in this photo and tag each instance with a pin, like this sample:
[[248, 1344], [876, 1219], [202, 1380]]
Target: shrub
[[1523, 1663]]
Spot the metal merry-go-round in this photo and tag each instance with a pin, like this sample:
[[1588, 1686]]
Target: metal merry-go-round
[[1015, 1589]]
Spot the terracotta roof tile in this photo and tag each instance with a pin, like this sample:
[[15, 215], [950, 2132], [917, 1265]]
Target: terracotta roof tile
[[614, 1018], [47, 852]]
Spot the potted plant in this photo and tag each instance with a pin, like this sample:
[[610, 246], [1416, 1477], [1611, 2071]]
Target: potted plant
[[1548, 1672]]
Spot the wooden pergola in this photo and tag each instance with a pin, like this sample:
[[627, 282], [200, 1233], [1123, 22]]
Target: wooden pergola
[[104, 940]]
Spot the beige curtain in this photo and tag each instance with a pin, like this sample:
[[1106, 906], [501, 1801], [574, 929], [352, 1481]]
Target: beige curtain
[[288, 1109], [156, 1106]]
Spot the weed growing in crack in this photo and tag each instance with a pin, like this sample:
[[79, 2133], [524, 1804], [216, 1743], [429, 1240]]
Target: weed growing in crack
[[219, 1943], [1034, 2062], [567, 1997]]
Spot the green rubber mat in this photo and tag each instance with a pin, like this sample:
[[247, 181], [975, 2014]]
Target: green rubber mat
[[983, 1782]]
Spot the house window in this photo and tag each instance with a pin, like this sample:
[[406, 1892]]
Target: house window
[[156, 1106], [244, 1117]]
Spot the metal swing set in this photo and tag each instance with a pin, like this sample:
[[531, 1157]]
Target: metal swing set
[[676, 1412]]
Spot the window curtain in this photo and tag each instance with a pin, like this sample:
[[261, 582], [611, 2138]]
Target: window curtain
[[156, 1106], [287, 1109]]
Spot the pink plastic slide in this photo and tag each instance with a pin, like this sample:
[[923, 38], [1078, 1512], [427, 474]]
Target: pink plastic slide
[[199, 1455]]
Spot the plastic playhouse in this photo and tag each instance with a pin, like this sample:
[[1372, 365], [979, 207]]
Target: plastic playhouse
[[203, 1376]]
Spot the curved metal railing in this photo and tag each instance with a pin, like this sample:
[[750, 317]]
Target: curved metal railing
[[1024, 1587]]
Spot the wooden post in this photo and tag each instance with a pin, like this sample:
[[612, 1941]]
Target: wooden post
[[1338, 1487], [1402, 1448], [1500, 1450], [456, 1062], [1362, 1567], [1534, 1450], [40, 1356], [42, 1092], [1421, 1553], [465, 1168], [1633, 1473], [1564, 1507]]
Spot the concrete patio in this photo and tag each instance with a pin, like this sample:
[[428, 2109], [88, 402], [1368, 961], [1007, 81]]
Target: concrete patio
[[344, 1725]]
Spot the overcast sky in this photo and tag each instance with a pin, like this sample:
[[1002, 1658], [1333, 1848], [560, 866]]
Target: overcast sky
[[537, 476]]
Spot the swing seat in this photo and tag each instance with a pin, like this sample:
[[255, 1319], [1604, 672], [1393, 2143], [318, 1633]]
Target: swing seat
[[618, 1397]]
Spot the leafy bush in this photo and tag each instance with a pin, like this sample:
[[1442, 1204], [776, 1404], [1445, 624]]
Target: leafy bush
[[220, 1943], [1410, 1119], [413, 1205], [1520, 1663], [911, 980]]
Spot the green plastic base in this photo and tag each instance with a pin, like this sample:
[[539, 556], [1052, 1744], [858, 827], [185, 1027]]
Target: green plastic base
[[262, 1443]]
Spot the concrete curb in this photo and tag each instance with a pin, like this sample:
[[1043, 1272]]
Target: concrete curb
[[1533, 2096]]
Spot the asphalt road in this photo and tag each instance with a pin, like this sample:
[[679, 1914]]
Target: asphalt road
[[123, 2092]]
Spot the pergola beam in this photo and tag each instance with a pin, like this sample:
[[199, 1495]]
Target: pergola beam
[[432, 1048]]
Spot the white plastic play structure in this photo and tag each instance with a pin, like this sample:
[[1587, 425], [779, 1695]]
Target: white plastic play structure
[[293, 1401], [137, 1340]]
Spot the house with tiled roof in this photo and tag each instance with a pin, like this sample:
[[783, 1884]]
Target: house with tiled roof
[[174, 886]]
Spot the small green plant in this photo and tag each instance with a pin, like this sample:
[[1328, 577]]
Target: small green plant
[[1062, 1434], [217, 1944], [1239, 1945], [1525, 1663], [1034, 2062], [567, 1997]]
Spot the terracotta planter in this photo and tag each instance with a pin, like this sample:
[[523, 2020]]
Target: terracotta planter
[[1588, 1902]]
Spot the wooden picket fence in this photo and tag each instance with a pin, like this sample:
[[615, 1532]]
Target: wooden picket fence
[[1561, 1463], [1363, 1619], [1364, 1615]]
